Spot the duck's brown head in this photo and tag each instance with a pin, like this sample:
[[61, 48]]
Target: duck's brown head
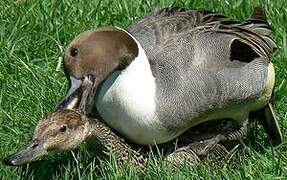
[[90, 58], [58, 131]]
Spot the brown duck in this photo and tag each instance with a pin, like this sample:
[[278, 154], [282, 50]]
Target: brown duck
[[65, 129]]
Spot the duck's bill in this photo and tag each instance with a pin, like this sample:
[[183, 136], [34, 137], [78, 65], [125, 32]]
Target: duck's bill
[[71, 100], [80, 95], [31, 152]]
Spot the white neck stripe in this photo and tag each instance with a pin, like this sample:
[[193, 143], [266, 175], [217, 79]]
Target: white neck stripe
[[127, 103]]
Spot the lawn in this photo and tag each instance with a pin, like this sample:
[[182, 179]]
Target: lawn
[[33, 36]]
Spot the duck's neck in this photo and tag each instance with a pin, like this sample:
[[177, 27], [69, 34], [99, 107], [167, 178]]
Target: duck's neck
[[106, 137], [109, 141], [131, 95]]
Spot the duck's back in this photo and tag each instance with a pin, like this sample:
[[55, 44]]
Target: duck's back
[[205, 63]]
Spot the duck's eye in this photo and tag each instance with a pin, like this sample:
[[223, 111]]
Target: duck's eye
[[74, 52], [63, 129]]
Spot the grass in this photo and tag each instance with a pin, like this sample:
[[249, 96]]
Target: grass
[[33, 35]]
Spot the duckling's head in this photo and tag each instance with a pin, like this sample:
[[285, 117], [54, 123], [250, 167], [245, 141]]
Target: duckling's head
[[57, 131]]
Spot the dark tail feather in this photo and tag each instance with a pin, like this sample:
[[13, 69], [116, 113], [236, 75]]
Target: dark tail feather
[[268, 120], [259, 13]]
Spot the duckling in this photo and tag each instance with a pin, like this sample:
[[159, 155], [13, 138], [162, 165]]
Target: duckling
[[64, 130]]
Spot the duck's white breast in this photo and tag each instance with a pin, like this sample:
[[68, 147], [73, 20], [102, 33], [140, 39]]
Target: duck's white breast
[[127, 102]]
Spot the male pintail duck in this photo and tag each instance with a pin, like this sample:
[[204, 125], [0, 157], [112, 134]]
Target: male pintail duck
[[172, 70]]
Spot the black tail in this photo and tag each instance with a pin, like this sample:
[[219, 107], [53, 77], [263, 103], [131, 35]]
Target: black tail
[[268, 120], [259, 13]]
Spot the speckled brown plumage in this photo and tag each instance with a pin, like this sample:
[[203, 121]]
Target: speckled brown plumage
[[65, 129]]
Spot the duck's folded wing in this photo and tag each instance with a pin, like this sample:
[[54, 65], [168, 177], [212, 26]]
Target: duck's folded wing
[[161, 28], [165, 26]]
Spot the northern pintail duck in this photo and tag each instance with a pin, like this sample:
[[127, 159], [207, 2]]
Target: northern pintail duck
[[172, 70], [66, 129]]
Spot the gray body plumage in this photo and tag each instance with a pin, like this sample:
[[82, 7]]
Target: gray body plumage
[[205, 65]]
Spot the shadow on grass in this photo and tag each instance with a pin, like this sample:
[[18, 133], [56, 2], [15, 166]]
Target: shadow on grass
[[42, 169], [58, 164]]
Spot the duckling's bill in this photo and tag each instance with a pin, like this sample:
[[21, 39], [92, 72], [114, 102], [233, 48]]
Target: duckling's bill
[[31, 152]]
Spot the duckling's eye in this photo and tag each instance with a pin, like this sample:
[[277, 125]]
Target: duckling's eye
[[63, 129], [74, 52]]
